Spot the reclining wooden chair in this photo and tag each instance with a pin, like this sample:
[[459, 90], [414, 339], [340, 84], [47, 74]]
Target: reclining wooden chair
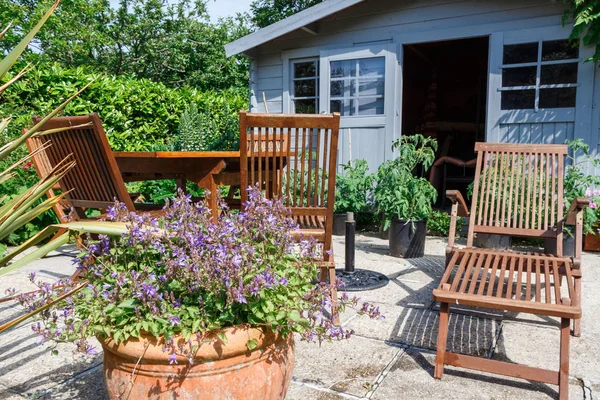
[[294, 157], [518, 191], [95, 181]]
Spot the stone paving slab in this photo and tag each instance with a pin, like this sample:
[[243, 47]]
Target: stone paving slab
[[411, 377], [30, 369], [403, 293], [539, 346], [303, 392], [351, 367], [375, 362], [419, 327], [88, 385]]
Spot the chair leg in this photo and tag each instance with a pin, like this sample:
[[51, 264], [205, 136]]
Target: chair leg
[[563, 373], [577, 303], [442, 340]]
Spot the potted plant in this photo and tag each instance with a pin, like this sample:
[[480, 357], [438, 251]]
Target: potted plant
[[188, 307], [578, 183], [404, 199], [352, 191]]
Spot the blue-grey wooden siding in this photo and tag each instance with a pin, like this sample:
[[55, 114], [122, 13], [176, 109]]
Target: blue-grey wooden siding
[[399, 21]]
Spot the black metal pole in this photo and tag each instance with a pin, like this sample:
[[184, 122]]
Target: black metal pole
[[350, 243]]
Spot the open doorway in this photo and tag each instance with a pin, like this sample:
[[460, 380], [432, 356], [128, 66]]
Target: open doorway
[[444, 96]]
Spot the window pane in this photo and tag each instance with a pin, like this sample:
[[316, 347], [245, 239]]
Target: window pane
[[518, 99], [559, 73], [558, 98], [522, 76], [560, 50], [305, 88], [344, 107], [374, 67], [371, 87], [520, 53], [343, 69], [343, 88], [305, 69], [370, 106], [305, 106]]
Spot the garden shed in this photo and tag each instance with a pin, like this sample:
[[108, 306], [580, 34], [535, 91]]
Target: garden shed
[[461, 71]]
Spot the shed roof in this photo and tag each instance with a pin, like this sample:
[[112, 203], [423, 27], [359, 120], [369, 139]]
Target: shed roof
[[288, 25]]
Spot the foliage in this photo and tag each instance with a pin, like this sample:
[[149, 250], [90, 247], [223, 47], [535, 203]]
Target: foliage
[[136, 113], [267, 12], [579, 184], [586, 23], [189, 137], [169, 42], [438, 223], [185, 274], [353, 188], [399, 194], [200, 131]]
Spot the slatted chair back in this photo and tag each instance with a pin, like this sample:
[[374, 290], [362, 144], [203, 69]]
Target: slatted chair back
[[518, 191], [95, 181], [294, 157]]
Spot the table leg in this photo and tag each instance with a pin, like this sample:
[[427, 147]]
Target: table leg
[[181, 184]]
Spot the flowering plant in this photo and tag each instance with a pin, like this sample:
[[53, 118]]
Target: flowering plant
[[183, 274], [578, 183]]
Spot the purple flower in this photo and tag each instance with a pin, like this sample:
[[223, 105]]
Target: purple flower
[[174, 320], [173, 359]]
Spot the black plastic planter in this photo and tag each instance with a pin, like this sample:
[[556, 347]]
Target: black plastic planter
[[407, 239], [568, 246], [339, 224]]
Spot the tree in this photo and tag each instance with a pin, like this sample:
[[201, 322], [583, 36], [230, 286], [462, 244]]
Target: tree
[[267, 12], [175, 44]]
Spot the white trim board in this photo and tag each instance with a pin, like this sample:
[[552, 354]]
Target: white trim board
[[288, 25]]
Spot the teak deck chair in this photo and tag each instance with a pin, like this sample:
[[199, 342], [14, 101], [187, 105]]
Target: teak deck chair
[[295, 157], [95, 181], [518, 191]]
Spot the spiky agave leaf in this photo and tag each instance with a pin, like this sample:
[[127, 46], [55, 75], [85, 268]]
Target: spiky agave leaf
[[8, 149], [46, 306]]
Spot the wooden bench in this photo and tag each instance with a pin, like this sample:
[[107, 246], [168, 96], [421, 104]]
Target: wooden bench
[[518, 191]]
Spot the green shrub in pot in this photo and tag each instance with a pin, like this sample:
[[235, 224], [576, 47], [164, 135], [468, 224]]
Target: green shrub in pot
[[405, 199], [353, 188], [399, 193], [353, 193]]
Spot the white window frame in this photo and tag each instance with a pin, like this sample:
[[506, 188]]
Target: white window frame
[[538, 64], [356, 79], [292, 79], [388, 51], [580, 114]]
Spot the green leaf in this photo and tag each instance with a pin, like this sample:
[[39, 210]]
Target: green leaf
[[294, 315], [223, 337], [252, 343]]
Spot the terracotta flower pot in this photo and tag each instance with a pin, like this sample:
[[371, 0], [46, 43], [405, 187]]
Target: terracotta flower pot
[[139, 369]]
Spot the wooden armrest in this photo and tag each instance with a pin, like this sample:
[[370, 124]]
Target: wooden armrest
[[455, 197], [578, 204]]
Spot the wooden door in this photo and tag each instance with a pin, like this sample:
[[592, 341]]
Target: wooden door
[[540, 88]]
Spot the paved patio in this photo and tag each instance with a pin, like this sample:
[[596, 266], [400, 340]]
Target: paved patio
[[389, 359]]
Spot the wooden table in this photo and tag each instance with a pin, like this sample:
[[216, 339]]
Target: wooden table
[[208, 169]]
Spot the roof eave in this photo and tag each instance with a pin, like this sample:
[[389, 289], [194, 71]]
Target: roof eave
[[287, 25]]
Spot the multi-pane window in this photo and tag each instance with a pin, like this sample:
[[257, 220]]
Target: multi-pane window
[[540, 75], [357, 87], [305, 87]]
